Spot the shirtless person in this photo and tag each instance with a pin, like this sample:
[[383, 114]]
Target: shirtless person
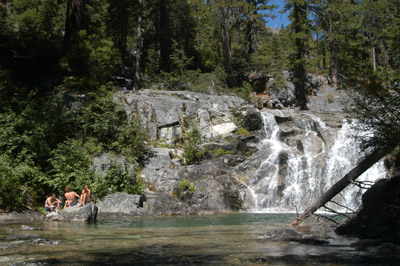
[[85, 196], [51, 203], [71, 197]]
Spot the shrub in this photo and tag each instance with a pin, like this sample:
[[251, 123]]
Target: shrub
[[70, 162], [221, 152], [186, 185], [331, 97], [245, 92], [242, 131], [88, 64], [193, 152], [19, 184], [117, 180]]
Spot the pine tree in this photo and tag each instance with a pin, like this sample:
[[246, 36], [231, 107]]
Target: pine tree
[[301, 30]]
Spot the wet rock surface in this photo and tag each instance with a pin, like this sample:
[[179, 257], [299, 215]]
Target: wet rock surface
[[30, 228], [21, 237], [20, 216], [316, 234]]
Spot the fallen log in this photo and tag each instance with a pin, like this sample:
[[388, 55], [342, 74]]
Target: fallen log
[[363, 166]]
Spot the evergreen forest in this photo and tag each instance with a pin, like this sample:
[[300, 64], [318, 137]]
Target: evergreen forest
[[61, 61]]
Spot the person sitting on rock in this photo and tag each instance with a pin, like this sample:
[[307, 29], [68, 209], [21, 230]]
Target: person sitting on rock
[[51, 203], [85, 196], [71, 197]]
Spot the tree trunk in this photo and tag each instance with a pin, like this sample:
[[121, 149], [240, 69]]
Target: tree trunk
[[230, 79], [364, 165], [164, 36], [385, 53], [251, 29], [75, 20], [373, 54], [138, 47], [333, 50], [300, 75]]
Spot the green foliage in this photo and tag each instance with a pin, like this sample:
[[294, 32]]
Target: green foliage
[[221, 152], [18, 184], [103, 121], [186, 185], [116, 180], [88, 64], [70, 163], [245, 92], [331, 97], [41, 70], [193, 152], [378, 118], [242, 131]]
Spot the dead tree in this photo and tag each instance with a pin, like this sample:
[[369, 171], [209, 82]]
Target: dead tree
[[363, 166]]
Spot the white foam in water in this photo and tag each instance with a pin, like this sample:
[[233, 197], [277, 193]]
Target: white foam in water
[[288, 181]]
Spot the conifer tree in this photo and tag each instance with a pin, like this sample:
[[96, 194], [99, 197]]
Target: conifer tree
[[301, 31]]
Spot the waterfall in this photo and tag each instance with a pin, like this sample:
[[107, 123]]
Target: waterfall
[[301, 162]]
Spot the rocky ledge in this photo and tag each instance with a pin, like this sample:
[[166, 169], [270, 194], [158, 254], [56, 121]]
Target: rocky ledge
[[87, 213], [167, 114]]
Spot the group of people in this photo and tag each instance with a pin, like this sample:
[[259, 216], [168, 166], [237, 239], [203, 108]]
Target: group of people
[[71, 197]]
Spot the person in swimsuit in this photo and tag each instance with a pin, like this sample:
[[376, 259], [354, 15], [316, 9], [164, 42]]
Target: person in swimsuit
[[85, 196], [51, 203], [71, 197]]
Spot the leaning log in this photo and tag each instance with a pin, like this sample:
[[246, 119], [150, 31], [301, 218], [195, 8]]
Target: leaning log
[[363, 166]]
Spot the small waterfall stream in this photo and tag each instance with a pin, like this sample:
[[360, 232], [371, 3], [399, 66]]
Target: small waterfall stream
[[300, 164]]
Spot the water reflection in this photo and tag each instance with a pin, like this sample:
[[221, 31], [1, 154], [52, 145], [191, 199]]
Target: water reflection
[[198, 240]]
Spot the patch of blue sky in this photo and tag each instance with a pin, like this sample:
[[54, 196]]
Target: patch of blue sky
[[280, 19]]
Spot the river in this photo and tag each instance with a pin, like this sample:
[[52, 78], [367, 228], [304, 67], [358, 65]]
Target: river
[[230, 239]]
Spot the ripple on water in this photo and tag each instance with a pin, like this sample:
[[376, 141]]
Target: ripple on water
[[190, 240]]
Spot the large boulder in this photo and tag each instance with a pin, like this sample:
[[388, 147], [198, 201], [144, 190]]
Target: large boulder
[[378, 215], [87, 213], [163, 170], [252, 121], [120, 204], [217, 194], [161, 204]]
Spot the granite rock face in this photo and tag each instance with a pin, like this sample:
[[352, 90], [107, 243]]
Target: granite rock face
[[221, 182], [87, 213], [167, 114], [120, 204], [158, 204], [328, 99], [163, 170]]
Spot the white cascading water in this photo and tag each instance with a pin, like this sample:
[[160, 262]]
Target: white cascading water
[[293, 176]]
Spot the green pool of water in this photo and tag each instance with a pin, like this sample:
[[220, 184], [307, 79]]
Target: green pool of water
[[193, 240]]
